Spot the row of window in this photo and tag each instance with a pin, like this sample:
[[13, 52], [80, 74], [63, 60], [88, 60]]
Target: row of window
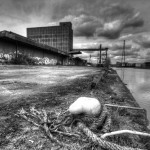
[[49, 36], [60, 45], [52, 40], [44, 31]]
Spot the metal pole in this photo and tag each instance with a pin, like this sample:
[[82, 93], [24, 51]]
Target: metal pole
[[124, 50], [97, 58], [106, 53], [90, 59], [100, 54], [123, 54]]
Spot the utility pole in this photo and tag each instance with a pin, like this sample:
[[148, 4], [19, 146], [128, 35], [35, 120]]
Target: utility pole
[[124, 50], [106, 53], [90, 59], [100, 54], [98, 58], [123, 53]]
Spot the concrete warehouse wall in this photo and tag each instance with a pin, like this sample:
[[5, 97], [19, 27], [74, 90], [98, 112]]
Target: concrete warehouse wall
[[8, 47]]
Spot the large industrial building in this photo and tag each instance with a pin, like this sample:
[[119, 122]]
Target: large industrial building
[[60, 37], [12, 43], [53, 45]]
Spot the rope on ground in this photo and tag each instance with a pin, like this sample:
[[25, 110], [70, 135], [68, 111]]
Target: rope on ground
[[124, 132], [126, 107], [51, 123], [102, 121], [102, 143], [40, 120]]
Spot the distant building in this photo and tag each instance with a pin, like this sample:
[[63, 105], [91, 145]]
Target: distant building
[[60, 37], [118, 64], [129, 64], [147, 64], [139, 65], [126, 64], [80, 62]]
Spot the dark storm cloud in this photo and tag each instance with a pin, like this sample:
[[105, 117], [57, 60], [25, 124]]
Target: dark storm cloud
[[78, 7], [85, 25], [103, 18], [148, 53], [135, 21], [115, 11], [136, 49], [113, 29], [83, 14], [109, 33], [143, 40], [119, 46], [28, 6], [21, 9], [17, 15], [115, 32], [127, 53], [131, 50], [85, 30], [145, 44]]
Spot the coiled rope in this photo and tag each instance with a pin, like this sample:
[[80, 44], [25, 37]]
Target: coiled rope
[[102, 143], [103, 121]]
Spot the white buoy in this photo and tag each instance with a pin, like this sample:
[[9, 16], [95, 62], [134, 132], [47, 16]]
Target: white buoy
[[87, 105]]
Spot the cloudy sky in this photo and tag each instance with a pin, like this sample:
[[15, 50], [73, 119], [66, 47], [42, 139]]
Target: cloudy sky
[[95, 22]]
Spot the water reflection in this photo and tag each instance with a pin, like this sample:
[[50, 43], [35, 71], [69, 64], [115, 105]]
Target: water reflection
[[138, 81]]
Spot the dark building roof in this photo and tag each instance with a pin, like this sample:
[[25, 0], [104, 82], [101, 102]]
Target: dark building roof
[[61, 24], [16, 37], [75, 52], [147, 64]]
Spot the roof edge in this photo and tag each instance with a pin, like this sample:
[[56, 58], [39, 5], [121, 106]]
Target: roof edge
[[20, 38]]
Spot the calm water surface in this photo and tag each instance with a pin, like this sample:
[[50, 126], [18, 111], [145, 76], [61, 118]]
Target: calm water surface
[[138, 81]]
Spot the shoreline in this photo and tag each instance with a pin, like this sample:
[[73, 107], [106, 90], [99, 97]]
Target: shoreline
[[128, 90], [128, 85]]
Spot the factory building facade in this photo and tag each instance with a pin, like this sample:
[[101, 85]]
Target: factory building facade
[[12, 43], [60, 37]]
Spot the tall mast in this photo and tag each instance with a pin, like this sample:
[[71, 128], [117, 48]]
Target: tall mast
[[123, 54], [124, 46]]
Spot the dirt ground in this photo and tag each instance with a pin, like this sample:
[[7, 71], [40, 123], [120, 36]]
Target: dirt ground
[[22, 81], [54, 89]]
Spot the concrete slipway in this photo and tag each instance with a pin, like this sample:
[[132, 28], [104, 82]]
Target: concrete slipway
[[55, 88]]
